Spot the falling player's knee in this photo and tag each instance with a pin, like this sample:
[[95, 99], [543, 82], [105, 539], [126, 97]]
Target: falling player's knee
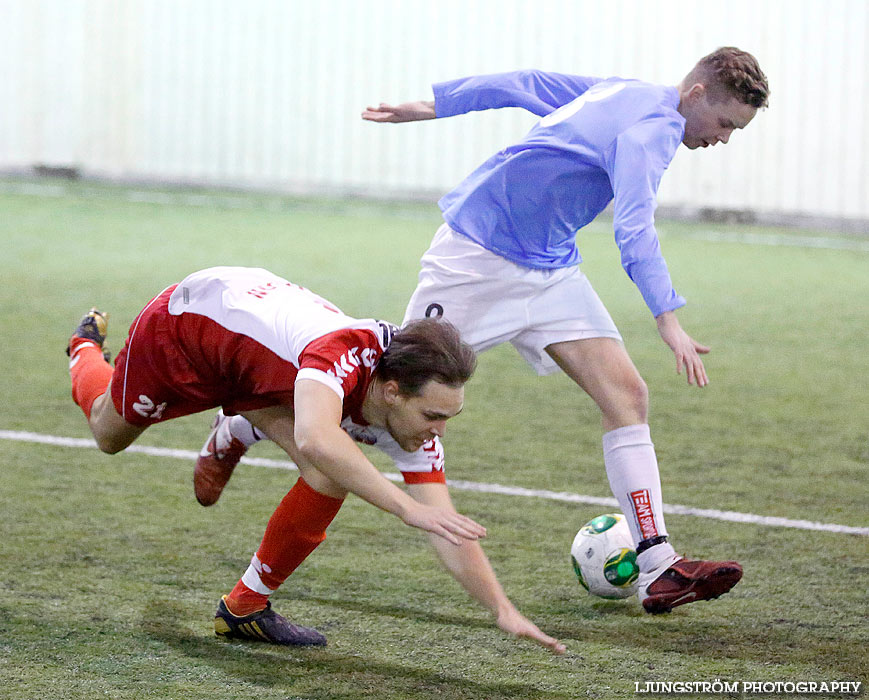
[[109, 444]]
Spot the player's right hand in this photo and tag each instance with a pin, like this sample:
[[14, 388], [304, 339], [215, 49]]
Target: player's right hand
[[406, 112], [445, 522]]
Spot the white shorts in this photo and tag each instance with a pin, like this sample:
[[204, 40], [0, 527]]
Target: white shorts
[[492, 300]]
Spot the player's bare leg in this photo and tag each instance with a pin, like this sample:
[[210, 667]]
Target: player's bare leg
[[109, 428], [603, 369]]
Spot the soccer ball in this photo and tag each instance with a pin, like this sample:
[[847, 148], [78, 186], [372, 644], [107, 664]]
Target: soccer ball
[[604, 558]]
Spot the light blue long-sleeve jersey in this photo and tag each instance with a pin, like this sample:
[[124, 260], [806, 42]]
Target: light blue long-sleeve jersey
[[598, 140]]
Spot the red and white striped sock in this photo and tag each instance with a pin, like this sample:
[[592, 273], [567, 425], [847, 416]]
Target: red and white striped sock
[[89, 371], [295, 529]]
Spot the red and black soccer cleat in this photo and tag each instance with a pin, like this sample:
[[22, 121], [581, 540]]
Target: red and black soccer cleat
[[219, 456], [687, 581]]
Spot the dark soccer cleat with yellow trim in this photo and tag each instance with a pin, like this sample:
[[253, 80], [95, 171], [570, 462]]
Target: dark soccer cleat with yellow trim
[[264, 626], [93, 326]]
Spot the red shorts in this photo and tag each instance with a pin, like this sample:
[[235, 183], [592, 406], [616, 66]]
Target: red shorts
[[173, 366], [150, 369]]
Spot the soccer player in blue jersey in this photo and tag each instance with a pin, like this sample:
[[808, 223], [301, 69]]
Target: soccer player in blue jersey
[[505, 264]]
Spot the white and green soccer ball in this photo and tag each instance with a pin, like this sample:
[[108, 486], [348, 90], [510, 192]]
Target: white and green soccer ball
[[604, 558]]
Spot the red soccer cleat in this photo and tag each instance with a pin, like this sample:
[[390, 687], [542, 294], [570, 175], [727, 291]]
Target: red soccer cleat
[[219, 456], [687, 581]]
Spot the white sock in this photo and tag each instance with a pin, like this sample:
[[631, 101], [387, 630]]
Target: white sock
[[241, 429], [632, 469]]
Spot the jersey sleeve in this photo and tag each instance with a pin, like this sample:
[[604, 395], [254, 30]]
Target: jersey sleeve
[[536, 91], [341, 360], [635, 163], [426, 465]]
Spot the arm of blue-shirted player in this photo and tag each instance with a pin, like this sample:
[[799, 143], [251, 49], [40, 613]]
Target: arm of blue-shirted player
[[537, 91], [635, 163], [317, 437], [470, 566]]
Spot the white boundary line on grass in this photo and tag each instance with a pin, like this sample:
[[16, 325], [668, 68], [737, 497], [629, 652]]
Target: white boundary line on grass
[[608, 502], [779, 239]]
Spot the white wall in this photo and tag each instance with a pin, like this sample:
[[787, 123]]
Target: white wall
[[268, 92]]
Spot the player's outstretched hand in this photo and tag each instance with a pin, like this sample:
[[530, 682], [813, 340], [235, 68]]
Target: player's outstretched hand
[[515, 623], [684, 347], [406, 112], [452, 526]]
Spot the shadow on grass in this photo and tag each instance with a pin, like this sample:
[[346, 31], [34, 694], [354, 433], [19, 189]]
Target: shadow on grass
[[320, 672], [399, 612], [759, 641], [779, 641]]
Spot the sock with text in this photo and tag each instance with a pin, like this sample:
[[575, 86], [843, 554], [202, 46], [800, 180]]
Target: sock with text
[[632, 469]]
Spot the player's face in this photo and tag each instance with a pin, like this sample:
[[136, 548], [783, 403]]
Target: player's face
[[413, 420], [709, 122]]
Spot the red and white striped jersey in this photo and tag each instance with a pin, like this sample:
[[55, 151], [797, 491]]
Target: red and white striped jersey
[[266, 333]]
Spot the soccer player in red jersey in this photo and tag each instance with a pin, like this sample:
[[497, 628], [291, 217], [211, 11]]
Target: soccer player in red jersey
[[290, 366]]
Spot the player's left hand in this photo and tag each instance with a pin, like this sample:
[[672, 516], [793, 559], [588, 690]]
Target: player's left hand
[[515, 623], [684, 347]]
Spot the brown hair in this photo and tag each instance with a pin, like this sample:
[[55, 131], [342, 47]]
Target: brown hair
[[423, 350], [729, 72]]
